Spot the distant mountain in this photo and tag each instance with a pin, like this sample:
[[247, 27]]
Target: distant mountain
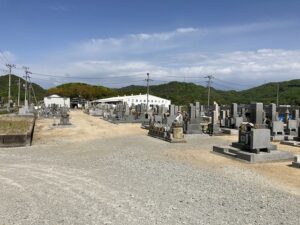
[[184, 93], [38, 90], [289, 93], [179, 93]]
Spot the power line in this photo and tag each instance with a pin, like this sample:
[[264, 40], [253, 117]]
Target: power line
[[3, 57], [229, 82], [108, 76], [218, 83], [3, 62], [78, 77]]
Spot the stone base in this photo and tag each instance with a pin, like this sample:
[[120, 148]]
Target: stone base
[[194, 129], [296, 164], [282, 138], [118, 121], [230, 131], [175, 140], [296, 139], [278, 138], [256, 151], [274, 155], [64, 124], [171, 140], [291, 143]]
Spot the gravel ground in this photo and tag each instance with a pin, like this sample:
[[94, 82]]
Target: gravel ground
[[118, 182], [133, 179]]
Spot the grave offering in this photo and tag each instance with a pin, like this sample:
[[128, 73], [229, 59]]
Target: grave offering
[[172, 134], [253, 146]]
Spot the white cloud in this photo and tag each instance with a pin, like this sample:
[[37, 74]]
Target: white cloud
[[164, 36], [170, 56], [250, 67]]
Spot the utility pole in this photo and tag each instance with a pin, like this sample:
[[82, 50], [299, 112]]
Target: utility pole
[[27, 72], [31, 86], [9, 66], [277, 98], [19, 89], [210, 77], [148, 80]]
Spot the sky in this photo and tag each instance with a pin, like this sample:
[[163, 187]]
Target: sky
[[115, 43]]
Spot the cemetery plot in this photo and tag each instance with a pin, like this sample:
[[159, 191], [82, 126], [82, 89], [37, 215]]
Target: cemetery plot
[[254, 141]]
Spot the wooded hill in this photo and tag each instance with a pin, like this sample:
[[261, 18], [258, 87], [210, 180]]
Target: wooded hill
[[184, 93], [86, 91], [38, 90], [180, 93]]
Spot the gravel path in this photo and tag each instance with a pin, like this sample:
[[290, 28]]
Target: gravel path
[[133, 180]]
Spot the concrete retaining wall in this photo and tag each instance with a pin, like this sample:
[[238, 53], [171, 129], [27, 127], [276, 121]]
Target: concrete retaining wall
[[18, 140]]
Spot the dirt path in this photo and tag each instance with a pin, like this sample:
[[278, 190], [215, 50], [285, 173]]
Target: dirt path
[[83, 128]]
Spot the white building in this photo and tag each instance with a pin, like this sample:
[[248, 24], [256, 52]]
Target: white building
[[135, 100], [57, 100]]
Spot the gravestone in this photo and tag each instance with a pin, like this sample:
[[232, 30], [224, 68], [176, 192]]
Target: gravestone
[[234, 110], [176, 109], [243, 113], [197, 110], [272, 114], [277, 128], [223, 118], [214, 127], [127, 112], [172, 110], [238, 121], [192, 111], [292, 127], [295, 114], [257, 113]]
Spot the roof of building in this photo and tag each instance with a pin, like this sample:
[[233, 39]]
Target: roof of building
[[56, 96], [122, 98], [53, 96]]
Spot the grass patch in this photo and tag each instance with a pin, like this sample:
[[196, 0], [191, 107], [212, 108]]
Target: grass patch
[[15, 125]]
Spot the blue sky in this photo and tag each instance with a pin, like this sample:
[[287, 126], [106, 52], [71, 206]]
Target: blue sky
[[116, 42]]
